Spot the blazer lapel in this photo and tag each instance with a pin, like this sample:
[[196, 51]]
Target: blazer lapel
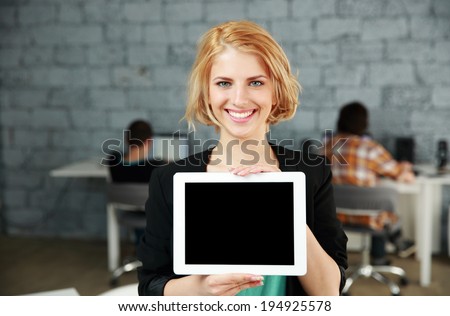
[[286, 158]]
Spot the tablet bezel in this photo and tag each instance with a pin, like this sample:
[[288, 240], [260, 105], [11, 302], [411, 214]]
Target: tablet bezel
[[299, 183]]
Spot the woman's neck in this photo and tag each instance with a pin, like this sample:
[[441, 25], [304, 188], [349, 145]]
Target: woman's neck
[[234, 152]]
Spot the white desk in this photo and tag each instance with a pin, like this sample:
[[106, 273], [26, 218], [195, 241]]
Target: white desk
[[428, 221], [427, 192], [89, 168]]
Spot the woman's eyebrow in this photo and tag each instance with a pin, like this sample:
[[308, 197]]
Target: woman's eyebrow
[[257, 77], [250, 78], [221, 78]]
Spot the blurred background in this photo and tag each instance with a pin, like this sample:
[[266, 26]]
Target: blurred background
[[74, 73]]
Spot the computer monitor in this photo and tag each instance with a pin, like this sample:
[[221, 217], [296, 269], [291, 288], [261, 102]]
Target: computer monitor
[[170, 147]]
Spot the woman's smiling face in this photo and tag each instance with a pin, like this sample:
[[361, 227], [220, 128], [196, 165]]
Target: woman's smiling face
[[240, 94]]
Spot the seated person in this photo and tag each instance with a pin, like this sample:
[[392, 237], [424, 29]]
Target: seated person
[[135, 165], [359, 160]]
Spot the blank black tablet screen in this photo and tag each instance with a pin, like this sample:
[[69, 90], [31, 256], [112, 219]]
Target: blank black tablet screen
[[239, 223]]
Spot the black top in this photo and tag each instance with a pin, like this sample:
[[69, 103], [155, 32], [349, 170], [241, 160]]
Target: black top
[[156, 248], [124, 171]]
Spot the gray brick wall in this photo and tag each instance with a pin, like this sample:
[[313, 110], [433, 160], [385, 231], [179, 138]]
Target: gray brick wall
[[74, 73]]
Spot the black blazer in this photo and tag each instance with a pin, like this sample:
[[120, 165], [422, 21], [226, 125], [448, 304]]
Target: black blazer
[[156, 248]]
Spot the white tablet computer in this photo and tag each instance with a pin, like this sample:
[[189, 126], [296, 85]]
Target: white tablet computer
[[225, 223]]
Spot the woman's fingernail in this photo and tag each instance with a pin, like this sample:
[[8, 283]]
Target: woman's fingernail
[[258, 278]]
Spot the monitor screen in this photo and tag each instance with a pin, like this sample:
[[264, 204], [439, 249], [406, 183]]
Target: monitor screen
[[170, 147]]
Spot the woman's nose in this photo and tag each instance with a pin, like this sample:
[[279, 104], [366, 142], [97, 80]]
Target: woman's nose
[[240, 97]]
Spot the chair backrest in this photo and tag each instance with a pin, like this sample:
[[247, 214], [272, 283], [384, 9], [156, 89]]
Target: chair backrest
[[127, 195], [362, 208], [365, 198]]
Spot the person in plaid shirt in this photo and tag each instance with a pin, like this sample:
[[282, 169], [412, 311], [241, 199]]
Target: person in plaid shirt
[[356, 159], [361, 161]]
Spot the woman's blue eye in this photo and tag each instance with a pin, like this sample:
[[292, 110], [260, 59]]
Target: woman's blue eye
[[256, 83], [223, 84]]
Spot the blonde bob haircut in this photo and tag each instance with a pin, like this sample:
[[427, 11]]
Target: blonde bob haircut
[[247, 37]]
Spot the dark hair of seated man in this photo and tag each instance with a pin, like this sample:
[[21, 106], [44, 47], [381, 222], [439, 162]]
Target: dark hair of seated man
[[134, 164]]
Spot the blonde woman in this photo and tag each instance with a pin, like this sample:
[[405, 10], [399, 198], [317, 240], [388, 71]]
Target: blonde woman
[[241, 83]]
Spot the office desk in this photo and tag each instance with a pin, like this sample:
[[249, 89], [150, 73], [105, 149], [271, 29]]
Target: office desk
[[427, 191], [89, 168], [428, 223]]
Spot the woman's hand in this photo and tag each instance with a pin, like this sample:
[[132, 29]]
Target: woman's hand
[[221, 284], [258, 168], [214, 284], [406, 175]]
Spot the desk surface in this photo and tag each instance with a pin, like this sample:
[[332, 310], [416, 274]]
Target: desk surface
[[427, 174], [89, 168]]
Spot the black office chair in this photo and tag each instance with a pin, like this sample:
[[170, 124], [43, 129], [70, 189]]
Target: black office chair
[[128, 201], [357, 207]]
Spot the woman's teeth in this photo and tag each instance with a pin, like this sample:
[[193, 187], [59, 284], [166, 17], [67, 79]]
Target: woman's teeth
[[241, 114]]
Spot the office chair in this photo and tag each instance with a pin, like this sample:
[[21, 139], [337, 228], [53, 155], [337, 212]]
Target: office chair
[[366, 211], [127, 200]]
